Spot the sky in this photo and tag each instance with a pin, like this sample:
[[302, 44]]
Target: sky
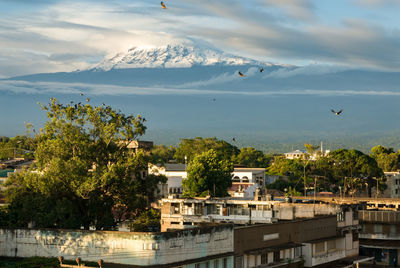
[[56, 35]]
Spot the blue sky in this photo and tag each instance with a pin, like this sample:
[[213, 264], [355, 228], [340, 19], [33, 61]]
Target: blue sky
[[56, 35]]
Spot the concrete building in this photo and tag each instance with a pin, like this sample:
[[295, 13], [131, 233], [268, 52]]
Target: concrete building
[[393, 184], [273, 233], [186, 213], [211, 246]]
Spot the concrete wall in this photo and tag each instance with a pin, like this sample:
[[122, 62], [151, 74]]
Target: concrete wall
[[119, 247]]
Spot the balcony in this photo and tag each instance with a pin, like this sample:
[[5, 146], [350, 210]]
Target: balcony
[[379, 216]]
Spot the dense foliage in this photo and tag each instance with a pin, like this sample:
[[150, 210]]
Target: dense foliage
[[208, 174], [84, 173]]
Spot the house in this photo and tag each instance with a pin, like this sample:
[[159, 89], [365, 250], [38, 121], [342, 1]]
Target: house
[[175, 173], [246, 182], [242, 179], [297, 154]]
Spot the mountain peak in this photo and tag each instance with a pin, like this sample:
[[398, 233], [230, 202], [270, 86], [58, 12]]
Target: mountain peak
[[172, 56]]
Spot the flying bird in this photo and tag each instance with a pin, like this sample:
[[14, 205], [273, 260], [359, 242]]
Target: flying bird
[[261, 70], [240, 74], [338, 112], [144, 119], [87, 99], [163, 5], [81, 94], [233, 139]]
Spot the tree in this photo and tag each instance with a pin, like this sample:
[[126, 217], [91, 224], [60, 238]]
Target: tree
[[161, 154], [293, 169], [189, 148], [386, 158], [82, 158], [147, 221], [208, 174], [353, 169], [251, 157]]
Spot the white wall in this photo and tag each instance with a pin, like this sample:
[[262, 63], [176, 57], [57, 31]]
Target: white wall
[[118, 247]]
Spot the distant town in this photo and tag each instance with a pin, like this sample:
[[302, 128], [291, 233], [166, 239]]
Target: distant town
[[85, 190]]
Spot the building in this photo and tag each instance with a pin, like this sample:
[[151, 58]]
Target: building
[[297, 154], [273, 233], [245, 182], [210, 246], [380, 230], [393, 184], [135, 145], [175, 173]]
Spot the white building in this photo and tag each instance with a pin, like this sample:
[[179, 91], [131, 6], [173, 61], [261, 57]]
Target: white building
[[175, 173]]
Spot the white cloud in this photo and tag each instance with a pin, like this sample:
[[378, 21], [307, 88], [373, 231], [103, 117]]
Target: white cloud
[[92, 30], [313, 69], [22, 87]]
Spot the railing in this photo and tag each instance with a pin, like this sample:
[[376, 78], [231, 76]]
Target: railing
[[379, 216]]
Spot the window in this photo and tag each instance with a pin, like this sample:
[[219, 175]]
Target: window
[[264, 258], [236, 179], [277, 256], [377, 228], [297, 252], [340, 216], [331, 244], [239, 262], [245, 179], [320, 247], [225, 263]]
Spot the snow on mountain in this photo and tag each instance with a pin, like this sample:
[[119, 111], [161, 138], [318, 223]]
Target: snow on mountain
[[173, 56]]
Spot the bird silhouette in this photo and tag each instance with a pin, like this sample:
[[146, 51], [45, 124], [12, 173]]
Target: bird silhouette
[[233, 139], [240, 74], [163, 5], [261, 70], [338, 112], [81, 94], [144, 119], [87, 99]]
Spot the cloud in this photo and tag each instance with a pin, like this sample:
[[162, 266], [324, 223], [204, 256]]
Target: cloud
[[297, 9], [64, 37], [54, 88], [314, 69]]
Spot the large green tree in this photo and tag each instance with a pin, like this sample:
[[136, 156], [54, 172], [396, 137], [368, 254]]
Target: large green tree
[[386, 158], [354, 169], [161, 154], [18, 146], [208, 174], [251, 157], [82, 158], [192, 147]]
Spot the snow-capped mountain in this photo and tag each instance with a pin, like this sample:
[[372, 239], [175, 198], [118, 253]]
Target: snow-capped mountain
[[173, 56]]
